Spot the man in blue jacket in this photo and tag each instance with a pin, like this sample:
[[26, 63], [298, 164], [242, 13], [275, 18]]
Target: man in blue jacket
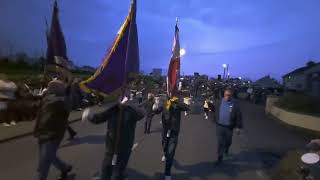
[[227, 117]]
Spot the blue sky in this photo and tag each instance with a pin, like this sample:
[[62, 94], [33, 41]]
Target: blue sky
[[256, 37]]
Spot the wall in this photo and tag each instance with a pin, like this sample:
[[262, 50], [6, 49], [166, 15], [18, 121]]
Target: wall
[[293, 119]]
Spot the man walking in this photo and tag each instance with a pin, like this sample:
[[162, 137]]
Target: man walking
[[227, 117], [118, 151], [171, 118], [148, 104], [51, 124]]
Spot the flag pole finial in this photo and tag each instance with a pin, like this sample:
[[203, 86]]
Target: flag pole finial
[[177, 20]]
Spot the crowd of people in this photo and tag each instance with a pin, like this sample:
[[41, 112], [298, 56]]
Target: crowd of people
[[20, 100], [59, 97]]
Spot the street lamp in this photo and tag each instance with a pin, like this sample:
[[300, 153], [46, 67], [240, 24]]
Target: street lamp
[[225, 66], [182, 52]]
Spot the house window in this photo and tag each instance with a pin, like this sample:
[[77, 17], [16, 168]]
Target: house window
[[298, 86]]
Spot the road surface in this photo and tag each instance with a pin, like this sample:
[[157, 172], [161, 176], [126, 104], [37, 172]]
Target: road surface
[[255, 153]]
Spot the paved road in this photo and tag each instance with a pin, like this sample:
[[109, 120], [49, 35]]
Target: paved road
[[255, 152]]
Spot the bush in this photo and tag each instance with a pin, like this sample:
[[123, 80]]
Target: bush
[[300, 103]]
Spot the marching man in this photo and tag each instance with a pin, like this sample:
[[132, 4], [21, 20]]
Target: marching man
[[119, 137], [171, 118]]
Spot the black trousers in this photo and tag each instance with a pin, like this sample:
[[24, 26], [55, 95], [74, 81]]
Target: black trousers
[[117, 172], [71, 132], [4, 116], [147, 124], [224, 135], [169, 145]]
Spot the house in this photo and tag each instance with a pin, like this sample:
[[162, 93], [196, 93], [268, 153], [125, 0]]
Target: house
[[267, 82], [305, 79]]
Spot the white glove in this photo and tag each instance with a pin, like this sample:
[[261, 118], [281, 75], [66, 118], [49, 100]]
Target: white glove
[[155, 106], [124, 100], [86, 115]]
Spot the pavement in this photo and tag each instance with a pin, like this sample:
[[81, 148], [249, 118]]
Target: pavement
[[260, 152], [25, 128]]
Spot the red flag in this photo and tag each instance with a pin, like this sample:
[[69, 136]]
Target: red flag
[[174, 66]]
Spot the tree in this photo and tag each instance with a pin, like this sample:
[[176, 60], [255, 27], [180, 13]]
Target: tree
[[311, 63]]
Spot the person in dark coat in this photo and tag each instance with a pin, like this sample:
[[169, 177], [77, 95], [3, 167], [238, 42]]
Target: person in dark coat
[[148, 104], [171, 119], [227, 117], [117, 153], [70, 89], [51, 124]]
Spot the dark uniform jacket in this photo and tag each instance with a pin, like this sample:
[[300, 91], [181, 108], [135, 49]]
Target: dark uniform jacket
[[52, 118], [236, 115], [129, 115], [148, 104], [171, 118]]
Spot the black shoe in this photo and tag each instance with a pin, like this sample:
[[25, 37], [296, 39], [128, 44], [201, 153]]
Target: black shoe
[[72, 136], [64, 174], [219, 160]]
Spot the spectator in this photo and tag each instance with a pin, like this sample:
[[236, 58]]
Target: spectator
[[7, 97]]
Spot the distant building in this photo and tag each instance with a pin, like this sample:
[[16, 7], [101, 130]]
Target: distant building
[[205, 77], [219, 77], [267, 82], [156, 73], [305, 79]]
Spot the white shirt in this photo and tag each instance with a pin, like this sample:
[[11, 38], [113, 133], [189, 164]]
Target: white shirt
[[7, 90]]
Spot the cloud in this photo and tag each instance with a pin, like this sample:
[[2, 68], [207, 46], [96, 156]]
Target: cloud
[[264, 33]]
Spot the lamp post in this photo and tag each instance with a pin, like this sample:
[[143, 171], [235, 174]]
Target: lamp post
[[225, 66]]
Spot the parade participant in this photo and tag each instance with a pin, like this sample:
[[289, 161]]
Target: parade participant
[[211, 107], [113, 167], [148, 104], [139, 96], [187, 101], [206, 108], [51, 123], [76, 95], [227, 117], [171, 118], [249, 93], [70, 86]]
